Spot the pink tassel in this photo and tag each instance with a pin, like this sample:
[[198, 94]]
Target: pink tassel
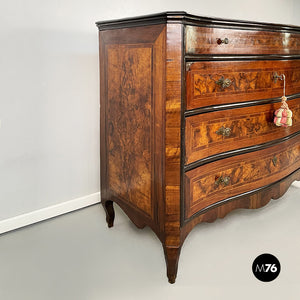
[[283, 115]]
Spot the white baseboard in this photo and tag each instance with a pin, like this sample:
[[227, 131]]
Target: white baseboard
[[48, 212]]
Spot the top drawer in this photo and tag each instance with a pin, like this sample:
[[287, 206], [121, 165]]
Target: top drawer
[[204, 40]]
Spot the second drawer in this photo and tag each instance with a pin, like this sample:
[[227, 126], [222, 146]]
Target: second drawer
[[221, 82], [216, 132]]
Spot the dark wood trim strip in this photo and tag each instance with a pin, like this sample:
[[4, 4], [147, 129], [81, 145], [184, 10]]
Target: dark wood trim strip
[[189, 19], [207, 109], [238, 57], [240, 151], [214, 205]]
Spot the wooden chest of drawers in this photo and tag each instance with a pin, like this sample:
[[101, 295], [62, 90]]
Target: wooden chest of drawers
[[187, 106]]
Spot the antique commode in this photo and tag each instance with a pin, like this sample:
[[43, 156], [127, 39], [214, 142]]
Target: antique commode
[[187, 108]]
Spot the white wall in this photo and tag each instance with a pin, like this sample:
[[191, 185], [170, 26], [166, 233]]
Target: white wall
[[296, 12], [49, 90]]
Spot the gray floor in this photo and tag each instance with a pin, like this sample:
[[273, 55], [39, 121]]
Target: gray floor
[[77, 257]]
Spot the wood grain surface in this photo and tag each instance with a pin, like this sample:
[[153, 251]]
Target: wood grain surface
[[203, 40], [158, 91], [245, 172], [173, 148], [129, 143], [131, 110], [248, 126], [250, 80], [251, 200], [173, 123]]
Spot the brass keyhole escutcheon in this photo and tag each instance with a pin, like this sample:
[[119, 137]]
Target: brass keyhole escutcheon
[[224, 41]]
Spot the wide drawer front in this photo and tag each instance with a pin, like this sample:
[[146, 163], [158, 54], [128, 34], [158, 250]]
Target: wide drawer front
[[212, 133], [220, 82], [220, 180], [203, 40]]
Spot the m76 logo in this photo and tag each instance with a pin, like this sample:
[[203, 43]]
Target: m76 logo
[[266, 268]]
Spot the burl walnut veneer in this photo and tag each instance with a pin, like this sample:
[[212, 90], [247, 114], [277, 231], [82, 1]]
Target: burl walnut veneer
[[187, 107]]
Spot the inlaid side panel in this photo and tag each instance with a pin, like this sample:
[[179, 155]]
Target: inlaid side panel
[[225, 178], [129, 123], [132, 93], [203, 40]]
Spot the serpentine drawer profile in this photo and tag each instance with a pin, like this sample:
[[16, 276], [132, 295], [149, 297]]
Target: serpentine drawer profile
[[187, 106]]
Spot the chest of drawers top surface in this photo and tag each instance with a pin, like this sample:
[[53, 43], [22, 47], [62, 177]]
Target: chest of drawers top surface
[[190, 19], [186, 119]]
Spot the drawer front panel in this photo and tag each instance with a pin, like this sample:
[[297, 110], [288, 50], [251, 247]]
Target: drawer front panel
[[201, 40], [225, 178], [212, 133], [220, 82]]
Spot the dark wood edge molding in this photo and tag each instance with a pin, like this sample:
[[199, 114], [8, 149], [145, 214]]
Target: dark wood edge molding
[[214, 108], [152, 19], [238, 57], [189, 19], [248, 194], [240, 151]]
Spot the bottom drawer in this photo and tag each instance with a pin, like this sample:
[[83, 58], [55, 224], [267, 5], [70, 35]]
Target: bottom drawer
[[222, 179]]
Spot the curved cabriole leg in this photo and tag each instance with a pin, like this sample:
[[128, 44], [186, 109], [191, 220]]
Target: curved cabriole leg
[[172, 257], [110, 212]]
